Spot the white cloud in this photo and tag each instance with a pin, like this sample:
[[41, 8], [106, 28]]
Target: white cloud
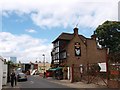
[[52, 13], [89, 14], [31, 30], [24, 47], [56, 13]]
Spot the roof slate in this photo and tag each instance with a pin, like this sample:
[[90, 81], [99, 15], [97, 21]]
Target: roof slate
[[68, 36]]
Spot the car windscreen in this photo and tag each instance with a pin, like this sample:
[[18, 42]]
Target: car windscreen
[[21, 74]]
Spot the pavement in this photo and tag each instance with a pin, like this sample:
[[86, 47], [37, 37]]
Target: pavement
[[76, 84], [9, 86]]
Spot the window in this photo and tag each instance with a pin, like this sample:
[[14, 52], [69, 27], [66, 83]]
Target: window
[[57, 56], [56, 44], [54, 57], [56, 62], [63, 55], [57, 49]]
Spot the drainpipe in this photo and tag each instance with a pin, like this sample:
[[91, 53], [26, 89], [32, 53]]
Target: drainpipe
[[72, 73], [107, 70]]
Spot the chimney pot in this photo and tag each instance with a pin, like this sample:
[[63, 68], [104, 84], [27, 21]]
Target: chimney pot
[[93, 37], [75, 31]]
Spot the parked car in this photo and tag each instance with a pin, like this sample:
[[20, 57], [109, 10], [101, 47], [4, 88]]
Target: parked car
[[21, 77]]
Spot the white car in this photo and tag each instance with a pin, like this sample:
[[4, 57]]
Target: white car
[[21, 77]]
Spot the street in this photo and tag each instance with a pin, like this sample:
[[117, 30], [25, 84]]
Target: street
[[38, 82]]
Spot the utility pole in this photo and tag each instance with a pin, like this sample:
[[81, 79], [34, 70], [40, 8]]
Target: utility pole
[[44, 61], [107, 65]]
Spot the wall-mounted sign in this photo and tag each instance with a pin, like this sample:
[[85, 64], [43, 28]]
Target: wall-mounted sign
[[77, 49]]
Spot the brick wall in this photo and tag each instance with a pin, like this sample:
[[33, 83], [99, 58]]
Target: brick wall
[[89, 54], [72, 59]]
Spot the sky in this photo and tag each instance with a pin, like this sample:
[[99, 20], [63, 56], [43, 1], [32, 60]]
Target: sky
[[28, 27]]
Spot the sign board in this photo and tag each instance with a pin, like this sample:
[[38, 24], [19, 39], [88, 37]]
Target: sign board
[[77, 49]]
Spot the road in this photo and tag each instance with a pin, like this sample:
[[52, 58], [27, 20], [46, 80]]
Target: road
[[39, 82]]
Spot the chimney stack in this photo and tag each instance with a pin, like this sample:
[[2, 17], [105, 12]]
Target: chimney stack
[[93, 37], [75, 31]]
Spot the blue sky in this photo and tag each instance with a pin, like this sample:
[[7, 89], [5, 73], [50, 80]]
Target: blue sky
[[28, 27], [16, 24]]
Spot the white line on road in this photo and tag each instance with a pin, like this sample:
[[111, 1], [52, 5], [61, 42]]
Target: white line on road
[[31, 82]]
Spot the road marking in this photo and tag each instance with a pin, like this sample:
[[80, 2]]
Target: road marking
[[31, 82]]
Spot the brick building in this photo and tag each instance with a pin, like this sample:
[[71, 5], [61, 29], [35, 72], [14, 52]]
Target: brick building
[[69, 49]]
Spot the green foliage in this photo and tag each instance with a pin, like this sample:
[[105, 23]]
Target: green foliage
[[114, 57], [108, 35], [12, 65], [10, 62]]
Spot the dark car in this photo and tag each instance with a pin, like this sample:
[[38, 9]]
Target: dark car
[[21, 77]]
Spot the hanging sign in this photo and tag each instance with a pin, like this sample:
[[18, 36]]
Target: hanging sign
[[77, 49]]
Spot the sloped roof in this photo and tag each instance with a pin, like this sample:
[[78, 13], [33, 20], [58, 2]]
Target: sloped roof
[[68, 36], [64, 36]]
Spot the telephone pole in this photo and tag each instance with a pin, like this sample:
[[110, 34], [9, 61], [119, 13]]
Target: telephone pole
[[44, 61]]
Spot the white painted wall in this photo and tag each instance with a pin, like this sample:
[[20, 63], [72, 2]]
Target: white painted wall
[[1, 73], [4, 79]]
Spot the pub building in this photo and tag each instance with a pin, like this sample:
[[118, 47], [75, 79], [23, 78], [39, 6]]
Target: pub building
[[75, 49]]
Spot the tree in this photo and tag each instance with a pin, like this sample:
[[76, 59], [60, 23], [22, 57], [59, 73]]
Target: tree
[[108, 36]]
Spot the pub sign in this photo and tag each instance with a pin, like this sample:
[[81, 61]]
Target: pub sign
[[77, 49]]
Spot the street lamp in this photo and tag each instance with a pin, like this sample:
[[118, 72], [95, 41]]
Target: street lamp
[[44, 61]]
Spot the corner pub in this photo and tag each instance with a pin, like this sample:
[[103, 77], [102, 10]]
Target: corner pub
[[76, 50]]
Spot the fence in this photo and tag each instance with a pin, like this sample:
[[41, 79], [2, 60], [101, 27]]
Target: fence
[[114, 75], [89, 73]]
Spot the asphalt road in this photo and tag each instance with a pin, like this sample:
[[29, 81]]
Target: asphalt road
[[38, 82]]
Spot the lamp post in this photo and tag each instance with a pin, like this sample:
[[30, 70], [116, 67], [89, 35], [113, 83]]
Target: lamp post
[[44, 61]]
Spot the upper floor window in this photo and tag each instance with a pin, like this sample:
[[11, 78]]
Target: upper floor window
[[56, 44], [57, 56], [57, 49], [63, 55]]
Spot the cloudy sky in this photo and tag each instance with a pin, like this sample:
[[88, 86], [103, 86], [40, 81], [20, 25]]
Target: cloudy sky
[[29, 26]]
